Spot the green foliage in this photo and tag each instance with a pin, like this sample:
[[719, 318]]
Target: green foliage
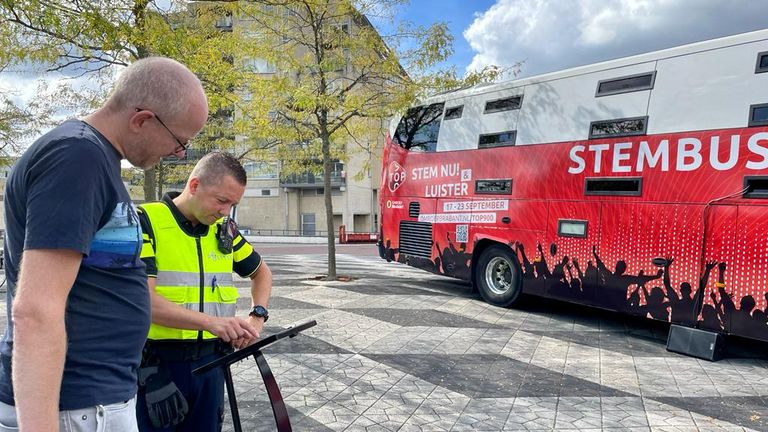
[[302, 82], [96, 38], [331, 81]]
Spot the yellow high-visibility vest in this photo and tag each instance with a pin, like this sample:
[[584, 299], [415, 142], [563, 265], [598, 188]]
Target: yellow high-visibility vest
[[191, 272]]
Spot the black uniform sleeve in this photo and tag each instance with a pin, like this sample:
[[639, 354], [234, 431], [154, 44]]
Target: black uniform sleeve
[[246, 259], [148, 244]]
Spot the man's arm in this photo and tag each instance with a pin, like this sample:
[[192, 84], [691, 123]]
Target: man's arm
[[169, 314], [40, 336], [261, 289]]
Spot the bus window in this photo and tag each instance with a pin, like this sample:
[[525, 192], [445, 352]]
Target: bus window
[[506, 104], [453, 112], [496, 186], [418, 129], [618, 128], [762, 62], [758, 115], [625, 84], [629, 186], [500, 139], [755, 187]]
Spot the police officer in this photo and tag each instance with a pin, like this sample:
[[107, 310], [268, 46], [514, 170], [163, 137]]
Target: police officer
[[191, 249]]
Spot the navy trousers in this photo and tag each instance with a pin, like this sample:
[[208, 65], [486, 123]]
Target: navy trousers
[[204, 394]]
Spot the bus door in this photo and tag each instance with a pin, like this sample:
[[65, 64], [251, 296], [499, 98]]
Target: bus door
[[451, 234], [649, 258], [565, 261], [717, 268]]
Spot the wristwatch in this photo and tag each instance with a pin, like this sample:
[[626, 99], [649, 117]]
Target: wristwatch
[[260, 311]]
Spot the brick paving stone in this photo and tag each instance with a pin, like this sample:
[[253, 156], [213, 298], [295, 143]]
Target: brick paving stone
[[399, 349]]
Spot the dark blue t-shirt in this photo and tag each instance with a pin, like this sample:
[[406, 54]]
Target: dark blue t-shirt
[[65, 192]]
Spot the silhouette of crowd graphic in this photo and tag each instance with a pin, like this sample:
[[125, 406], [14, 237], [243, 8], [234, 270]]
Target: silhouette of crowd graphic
[[449, 260], [615, 289]]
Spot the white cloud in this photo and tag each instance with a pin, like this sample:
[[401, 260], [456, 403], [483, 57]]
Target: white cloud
[[551, 35]]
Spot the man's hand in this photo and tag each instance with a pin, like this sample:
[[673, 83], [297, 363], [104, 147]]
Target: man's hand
[[257, 323], [230, 329]]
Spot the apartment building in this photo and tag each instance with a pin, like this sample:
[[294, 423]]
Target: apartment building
[[278, 203]]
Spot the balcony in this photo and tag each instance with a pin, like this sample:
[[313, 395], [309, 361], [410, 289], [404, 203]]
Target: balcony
[[312, 181]]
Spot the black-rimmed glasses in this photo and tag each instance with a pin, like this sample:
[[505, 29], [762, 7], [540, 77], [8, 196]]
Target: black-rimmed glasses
[[182, 145]]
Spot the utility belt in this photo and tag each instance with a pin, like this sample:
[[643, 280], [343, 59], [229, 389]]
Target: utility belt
[[182, 350]]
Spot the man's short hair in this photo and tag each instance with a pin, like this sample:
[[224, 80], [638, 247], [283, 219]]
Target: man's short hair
[[215, 165], [159, 84]]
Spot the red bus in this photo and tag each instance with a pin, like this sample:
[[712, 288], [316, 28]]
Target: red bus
[[638, 185]]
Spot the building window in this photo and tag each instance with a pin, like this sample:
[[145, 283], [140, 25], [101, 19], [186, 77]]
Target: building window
[[261, 192], [506, 104], [261, 170], [261, 66], [308, 224], [626, 84]]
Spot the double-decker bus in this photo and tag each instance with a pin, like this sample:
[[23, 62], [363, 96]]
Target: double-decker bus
[[638, 185]]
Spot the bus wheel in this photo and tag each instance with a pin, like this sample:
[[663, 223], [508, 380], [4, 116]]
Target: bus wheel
[[498, 276]]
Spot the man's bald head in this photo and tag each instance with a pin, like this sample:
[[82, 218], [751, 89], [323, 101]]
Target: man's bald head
[[158, 84]]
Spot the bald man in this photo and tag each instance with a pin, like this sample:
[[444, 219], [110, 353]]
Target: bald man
[[78, 303]]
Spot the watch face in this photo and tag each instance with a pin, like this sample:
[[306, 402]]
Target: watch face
[[260, 311]]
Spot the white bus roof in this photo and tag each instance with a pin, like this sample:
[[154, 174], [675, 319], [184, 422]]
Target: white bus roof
[[707, 45]]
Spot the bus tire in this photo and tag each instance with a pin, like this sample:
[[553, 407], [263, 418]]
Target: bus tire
[[498, 277]]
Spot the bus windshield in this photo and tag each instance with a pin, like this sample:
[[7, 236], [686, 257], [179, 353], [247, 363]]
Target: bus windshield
[[418, 129]]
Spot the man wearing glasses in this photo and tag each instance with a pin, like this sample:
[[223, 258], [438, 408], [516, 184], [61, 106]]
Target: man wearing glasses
[[79, 307]]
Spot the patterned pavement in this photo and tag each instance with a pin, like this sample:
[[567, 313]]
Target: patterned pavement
[[398, 349]]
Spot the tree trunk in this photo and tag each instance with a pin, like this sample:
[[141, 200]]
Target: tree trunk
[[327, 170], [160, 178], [150, 185]]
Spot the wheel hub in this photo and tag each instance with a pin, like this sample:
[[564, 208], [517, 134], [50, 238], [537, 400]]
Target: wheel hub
[[498, 275]]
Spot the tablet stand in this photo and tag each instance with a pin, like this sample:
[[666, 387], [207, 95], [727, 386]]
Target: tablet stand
[[273, 390]]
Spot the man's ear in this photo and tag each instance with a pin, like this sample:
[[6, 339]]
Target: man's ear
[[194, 184], [139, 118]]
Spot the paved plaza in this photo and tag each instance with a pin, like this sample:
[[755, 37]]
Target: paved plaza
[[398, 349]]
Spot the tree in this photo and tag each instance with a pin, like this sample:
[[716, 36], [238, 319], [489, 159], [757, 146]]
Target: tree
[[95, 39], [336, 80]]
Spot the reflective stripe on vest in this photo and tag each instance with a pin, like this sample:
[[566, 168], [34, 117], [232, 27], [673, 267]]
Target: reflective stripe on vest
[[181, 279]]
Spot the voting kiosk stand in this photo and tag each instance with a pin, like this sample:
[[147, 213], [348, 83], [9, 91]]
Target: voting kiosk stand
[[273, 390]]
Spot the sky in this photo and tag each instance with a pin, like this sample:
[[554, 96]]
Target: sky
[[550, 35]]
